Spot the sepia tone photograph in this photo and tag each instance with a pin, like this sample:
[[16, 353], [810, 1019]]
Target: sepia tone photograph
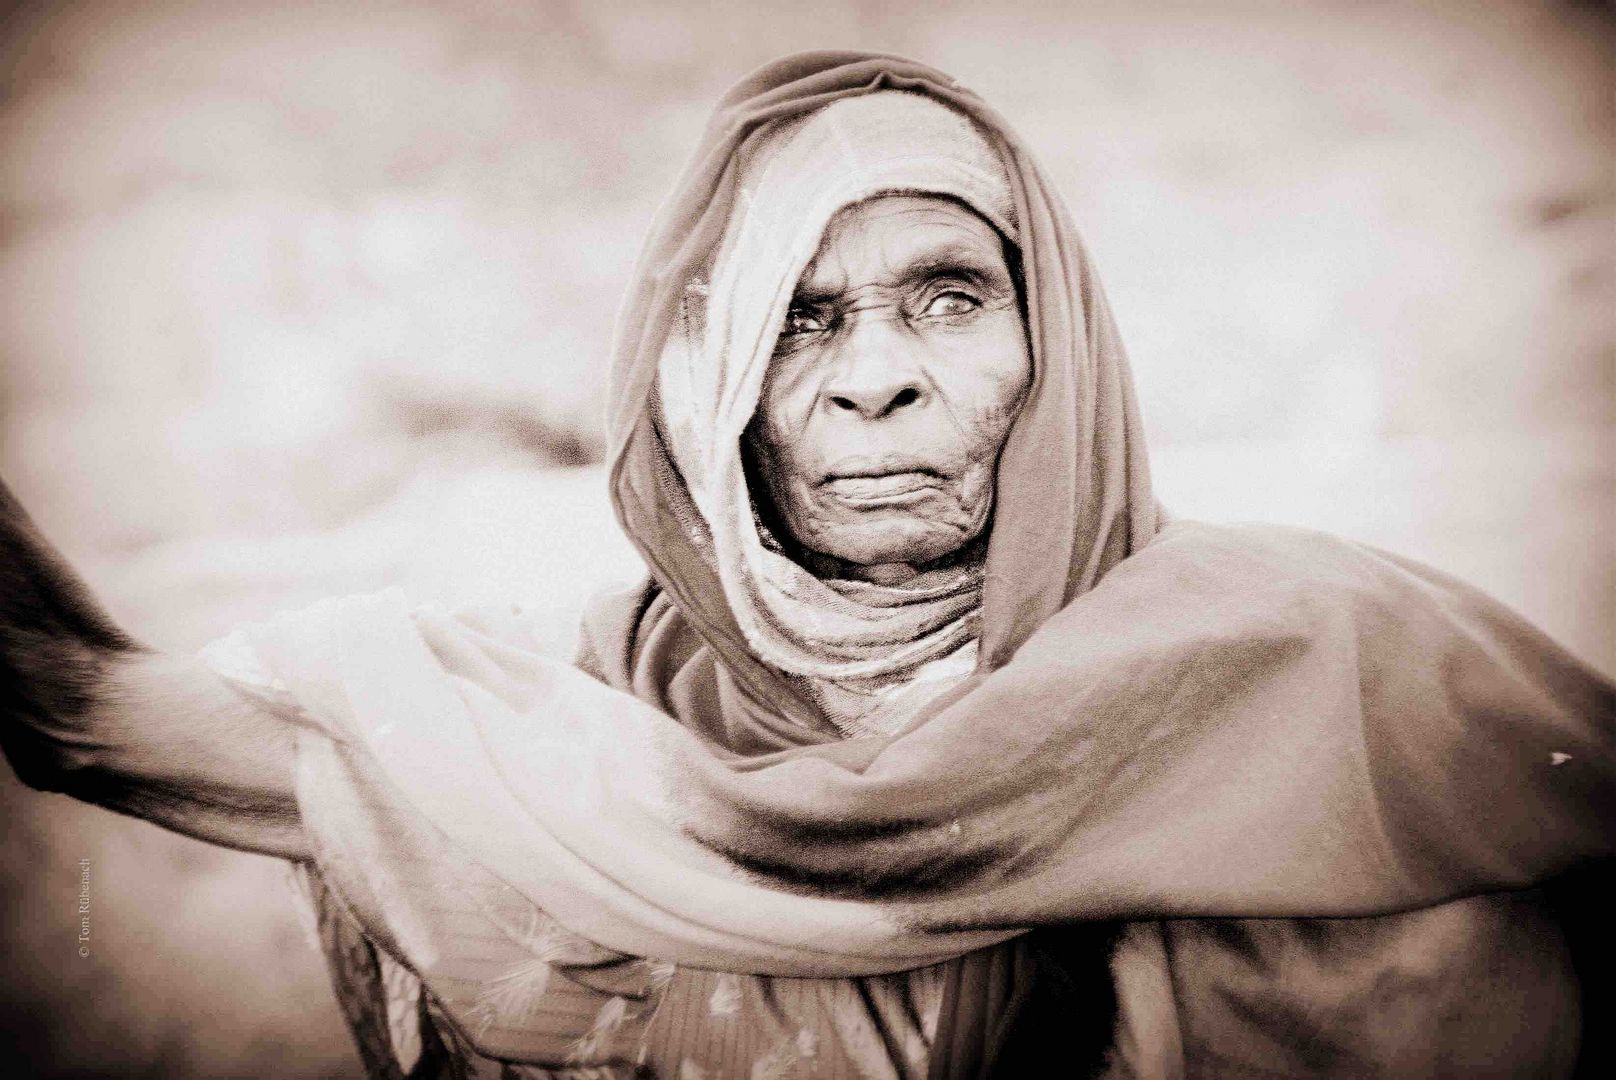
[[671, 541]]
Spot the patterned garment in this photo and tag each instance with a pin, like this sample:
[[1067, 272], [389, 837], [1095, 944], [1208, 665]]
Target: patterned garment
[[675, 1023], [695, 1025]]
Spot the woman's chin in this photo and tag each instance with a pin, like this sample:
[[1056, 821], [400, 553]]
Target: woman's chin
[[872, 551]]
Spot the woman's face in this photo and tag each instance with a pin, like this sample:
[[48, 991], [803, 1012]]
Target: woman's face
[[901, 364]]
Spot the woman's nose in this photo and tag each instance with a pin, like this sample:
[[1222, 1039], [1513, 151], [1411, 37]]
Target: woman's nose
[[875, 376]]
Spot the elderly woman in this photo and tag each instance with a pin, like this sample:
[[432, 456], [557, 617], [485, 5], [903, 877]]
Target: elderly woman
[[929, 748]]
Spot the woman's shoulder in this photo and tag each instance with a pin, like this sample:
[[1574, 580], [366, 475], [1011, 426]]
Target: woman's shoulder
[[1286, 561]]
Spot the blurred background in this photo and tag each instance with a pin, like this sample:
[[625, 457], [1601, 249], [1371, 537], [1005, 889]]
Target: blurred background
[[309, 299]]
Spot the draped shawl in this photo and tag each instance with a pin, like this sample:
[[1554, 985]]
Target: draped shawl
[[1188, 722]]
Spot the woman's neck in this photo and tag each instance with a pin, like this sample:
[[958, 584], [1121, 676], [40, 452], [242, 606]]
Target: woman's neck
[[894, 573]]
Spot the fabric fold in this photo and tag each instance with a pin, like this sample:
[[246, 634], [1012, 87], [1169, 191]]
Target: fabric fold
[[1232, 691]]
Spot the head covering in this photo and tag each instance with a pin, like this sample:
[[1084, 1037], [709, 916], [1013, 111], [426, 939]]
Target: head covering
[[1206, 722], [806, 137], [855, 646]]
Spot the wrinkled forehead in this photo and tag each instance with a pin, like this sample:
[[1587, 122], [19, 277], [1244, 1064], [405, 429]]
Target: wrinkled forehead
[[891, 238], [804, 171]]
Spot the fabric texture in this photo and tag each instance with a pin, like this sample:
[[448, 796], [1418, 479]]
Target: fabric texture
[[571, 1010], [1193, 730]]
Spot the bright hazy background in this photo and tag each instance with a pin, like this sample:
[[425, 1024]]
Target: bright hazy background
[[299, 300]]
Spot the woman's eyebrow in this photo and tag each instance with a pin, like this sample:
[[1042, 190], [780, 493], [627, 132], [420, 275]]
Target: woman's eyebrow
[[963, 262]]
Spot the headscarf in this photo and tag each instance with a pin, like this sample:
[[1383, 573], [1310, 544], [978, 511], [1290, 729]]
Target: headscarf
[[856, 646], [1073, 492], [1209, 721]]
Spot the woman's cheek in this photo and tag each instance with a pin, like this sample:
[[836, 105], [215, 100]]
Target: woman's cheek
[[988, 414], [785, 420], [976, 491], [987, 383]]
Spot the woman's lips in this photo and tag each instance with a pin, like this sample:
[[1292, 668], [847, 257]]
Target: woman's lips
[[892, 487]]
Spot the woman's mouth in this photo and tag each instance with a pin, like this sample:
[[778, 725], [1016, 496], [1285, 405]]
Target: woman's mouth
[[889, 488]]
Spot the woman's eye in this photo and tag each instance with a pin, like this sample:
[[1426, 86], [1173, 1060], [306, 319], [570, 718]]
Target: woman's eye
[[799, 321], [952, 302]]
